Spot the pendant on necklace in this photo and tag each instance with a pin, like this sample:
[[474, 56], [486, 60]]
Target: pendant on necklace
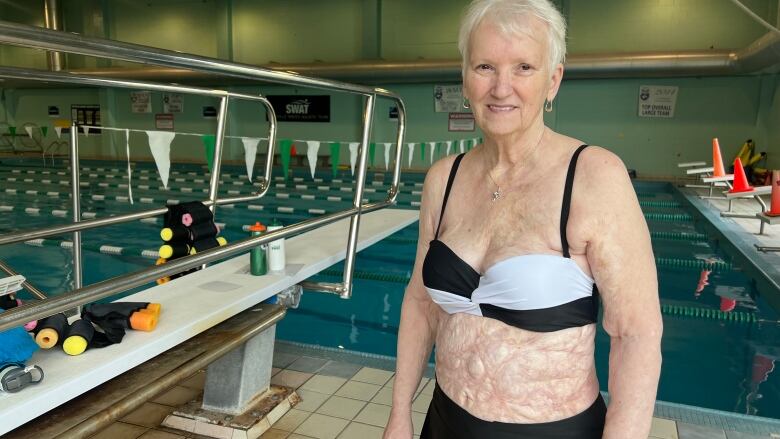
[[496, 195]]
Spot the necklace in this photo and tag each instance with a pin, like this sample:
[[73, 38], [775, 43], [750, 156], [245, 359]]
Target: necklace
[[497, 192]]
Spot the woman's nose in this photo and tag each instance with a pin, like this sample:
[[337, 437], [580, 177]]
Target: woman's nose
[[502, 85]]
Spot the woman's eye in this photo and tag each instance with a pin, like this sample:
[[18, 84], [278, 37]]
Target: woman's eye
[[525, 67], [484, 67]]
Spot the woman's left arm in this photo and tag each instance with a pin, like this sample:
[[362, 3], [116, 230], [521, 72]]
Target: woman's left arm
[[621, 259]]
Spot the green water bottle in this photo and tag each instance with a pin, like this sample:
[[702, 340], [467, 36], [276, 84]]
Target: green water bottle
[[257, 263]]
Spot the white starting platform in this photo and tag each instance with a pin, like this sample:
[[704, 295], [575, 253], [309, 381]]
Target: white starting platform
[[758, 190], [190, 305], [696, 171], [721, 179], [767, 219], [691, 164]]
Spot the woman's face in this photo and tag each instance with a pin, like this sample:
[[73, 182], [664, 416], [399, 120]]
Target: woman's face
[[507, 78]]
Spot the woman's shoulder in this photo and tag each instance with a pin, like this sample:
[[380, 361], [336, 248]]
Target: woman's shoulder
[[438, 173], [602, 177], [598, 162]]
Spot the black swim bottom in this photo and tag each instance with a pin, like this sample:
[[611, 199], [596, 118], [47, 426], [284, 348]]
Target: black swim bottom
[[447, 420]]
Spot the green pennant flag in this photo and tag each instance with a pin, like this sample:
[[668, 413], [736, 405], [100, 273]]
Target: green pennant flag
[[469, 144], [285, 147], [208, 147], [422, 151], [44, 130], [12, 130], [335, 151], [371, 152]]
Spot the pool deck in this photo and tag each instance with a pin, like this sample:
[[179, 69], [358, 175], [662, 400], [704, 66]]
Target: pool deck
[[740, 236], [348, 396]]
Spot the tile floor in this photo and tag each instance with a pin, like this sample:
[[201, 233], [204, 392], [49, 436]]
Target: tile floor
[[340, 401]]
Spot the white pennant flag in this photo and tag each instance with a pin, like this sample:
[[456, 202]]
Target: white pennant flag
[[462, 146], [29, 131], [250, 152], [59, 132], [410, 147], [353, 150], [85, 128], [449, 146], [433, 149], [129, 170], [311, 154], [388, 145], [160, 144]]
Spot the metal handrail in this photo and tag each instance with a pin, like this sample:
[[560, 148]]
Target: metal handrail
[[68, 78], [27, 312], [46, 39], [29, 36]]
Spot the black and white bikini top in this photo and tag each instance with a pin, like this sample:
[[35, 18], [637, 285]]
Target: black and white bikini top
[[535, 292]]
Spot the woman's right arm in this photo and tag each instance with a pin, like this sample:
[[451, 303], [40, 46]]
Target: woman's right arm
[[417, 330]]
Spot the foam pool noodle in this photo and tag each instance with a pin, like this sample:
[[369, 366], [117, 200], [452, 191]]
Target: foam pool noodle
[[51, 330], [77, 337], [204, 244], [115, 318], [165, 279], [174, 233], [174, 250]]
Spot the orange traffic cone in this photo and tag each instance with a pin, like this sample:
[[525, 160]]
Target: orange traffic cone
[[774, 205], [740, 180], [717, 160]]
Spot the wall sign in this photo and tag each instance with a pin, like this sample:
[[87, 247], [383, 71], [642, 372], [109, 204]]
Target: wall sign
[[141, 101], [300, 108], [461, 122], [657, 100], [85, 115], [448, 98], [163, 121], [209, 112], [172, 103], [393, 113]]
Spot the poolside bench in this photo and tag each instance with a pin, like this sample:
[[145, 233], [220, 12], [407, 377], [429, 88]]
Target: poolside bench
[[86, 414], [191, 305]]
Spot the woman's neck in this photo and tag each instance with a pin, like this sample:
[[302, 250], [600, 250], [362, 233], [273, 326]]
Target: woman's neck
[[515, 150]]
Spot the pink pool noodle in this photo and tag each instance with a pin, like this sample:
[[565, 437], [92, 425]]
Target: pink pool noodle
[[186, 219]]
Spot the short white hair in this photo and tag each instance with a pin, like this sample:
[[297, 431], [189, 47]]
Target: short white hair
[[508, 16]]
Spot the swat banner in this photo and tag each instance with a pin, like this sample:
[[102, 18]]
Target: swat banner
[[298, 108]]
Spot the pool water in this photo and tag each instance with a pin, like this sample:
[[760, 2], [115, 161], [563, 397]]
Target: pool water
[[708, 361]]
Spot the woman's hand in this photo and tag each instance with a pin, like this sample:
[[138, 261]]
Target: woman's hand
[[400, 425]]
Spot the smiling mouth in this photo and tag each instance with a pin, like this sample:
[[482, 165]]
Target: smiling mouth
[[501, 108]]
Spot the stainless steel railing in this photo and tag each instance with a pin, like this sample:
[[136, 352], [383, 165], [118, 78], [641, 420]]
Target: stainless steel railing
[[29, 36]]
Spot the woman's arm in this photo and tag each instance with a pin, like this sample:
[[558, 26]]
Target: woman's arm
[[417, 330], [623, 266]]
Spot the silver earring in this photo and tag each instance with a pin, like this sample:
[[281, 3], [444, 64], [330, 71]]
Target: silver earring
[[548, 106], [466, 104]]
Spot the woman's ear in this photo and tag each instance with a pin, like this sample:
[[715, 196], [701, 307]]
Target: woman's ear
[[555, 82]]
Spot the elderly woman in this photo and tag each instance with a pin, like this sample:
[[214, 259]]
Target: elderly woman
[[515, 236]]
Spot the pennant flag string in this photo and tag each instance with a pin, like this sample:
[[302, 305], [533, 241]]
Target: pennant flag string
[[250, 153], [160, 145]]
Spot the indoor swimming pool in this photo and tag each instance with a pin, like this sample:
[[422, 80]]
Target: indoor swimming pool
[[712, 359]]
